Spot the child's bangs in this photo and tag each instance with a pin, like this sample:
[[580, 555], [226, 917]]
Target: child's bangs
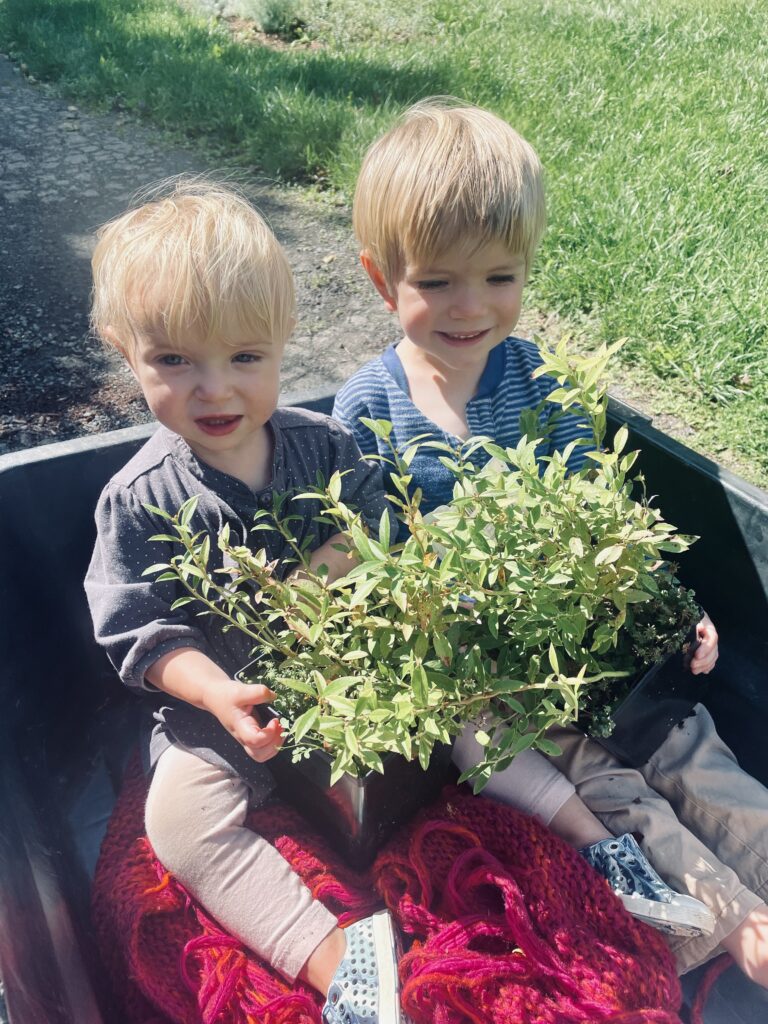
[[446, 174], [254, 305], [427, 238], [200, 260], [477, 200]]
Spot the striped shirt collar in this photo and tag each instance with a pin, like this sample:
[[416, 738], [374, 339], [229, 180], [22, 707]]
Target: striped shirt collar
[[492, 373]]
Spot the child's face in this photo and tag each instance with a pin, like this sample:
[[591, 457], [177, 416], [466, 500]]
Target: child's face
[[460, 305], [218, 395]]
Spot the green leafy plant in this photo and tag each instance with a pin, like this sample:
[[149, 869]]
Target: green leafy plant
[[277, 17], [530, 595]]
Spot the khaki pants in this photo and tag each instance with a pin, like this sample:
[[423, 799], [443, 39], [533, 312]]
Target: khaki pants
[[195, 821], [701, 820]]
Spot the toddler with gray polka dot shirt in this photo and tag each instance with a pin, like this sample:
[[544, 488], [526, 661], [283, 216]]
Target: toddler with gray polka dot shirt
[[194, 291]]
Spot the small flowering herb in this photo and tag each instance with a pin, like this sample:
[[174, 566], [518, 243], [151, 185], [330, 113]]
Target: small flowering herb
[[534, 592]]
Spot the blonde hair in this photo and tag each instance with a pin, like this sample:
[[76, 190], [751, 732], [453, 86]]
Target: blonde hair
[[194, 255], [445, 174]]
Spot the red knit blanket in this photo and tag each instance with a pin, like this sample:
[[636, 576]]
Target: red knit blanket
[[506, 925]]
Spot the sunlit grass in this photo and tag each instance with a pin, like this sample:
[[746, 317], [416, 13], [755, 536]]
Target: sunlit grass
[[650, 118]]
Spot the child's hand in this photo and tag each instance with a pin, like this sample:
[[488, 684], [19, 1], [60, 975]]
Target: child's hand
[[233, 703], [705, 656]]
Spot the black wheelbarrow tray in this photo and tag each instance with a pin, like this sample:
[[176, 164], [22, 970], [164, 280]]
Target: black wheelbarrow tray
[[67, 726]]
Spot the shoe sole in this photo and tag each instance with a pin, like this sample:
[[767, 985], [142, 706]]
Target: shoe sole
[[386, 946], [668, 918]]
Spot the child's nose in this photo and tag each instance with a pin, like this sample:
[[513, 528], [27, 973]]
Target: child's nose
[[213, 384], [467, 302]]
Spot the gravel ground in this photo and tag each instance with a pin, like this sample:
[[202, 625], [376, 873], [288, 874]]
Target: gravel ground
[[62, 173]]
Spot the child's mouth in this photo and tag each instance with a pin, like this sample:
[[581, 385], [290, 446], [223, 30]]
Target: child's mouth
[[461, 338], [217, 426]]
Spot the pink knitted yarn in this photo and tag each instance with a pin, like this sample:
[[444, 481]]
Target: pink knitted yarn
[[508, 924], [514, 926]]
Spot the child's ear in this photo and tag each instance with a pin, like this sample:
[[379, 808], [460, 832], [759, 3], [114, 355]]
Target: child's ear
[[379, 281], [112, 339]]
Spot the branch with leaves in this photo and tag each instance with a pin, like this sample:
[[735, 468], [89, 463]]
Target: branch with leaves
[[525, 596]]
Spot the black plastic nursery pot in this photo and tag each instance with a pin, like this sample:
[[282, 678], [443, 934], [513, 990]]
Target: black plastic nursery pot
[[357, 814], [663, 696]]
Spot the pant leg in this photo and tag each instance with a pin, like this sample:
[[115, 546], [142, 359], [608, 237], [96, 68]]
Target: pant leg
[[714, 797], [195, 820], [530, 783], [625, 802]]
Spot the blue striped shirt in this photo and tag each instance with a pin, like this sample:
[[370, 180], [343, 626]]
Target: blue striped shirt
[[379, 391]]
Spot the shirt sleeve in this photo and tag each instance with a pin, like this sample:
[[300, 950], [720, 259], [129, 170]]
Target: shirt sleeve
[[131, 613]]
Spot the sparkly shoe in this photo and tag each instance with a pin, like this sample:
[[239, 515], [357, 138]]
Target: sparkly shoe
[[365, 988], [643, 892]]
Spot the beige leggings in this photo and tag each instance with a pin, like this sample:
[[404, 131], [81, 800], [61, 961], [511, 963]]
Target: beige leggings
[[195, 821], [530, 783]]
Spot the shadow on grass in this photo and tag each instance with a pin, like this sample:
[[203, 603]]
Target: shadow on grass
[[286, 112]]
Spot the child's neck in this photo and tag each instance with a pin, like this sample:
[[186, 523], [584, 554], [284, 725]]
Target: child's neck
[[438, 391]]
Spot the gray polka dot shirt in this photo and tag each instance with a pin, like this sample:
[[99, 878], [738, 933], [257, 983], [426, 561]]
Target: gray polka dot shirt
[[132, 613]]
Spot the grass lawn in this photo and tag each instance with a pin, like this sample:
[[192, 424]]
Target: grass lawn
[[650, 117]]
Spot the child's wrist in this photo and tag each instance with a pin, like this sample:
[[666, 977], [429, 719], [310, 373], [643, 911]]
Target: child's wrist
[[212, 689]]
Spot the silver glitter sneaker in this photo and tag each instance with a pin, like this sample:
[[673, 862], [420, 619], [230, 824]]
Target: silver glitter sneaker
[[643, 892], [365, 988]]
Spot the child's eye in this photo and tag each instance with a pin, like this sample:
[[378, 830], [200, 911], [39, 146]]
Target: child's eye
[[502, 279], [171, 359], [430, 284], [246, 357]]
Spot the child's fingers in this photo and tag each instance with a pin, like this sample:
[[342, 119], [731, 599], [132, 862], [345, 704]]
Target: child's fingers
[[705, 630], [705, 663], [259, 743], [250, 694], [705, 658], [233, 703]]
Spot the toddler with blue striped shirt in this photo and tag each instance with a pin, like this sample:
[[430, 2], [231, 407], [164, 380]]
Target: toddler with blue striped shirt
[[449, 210]]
